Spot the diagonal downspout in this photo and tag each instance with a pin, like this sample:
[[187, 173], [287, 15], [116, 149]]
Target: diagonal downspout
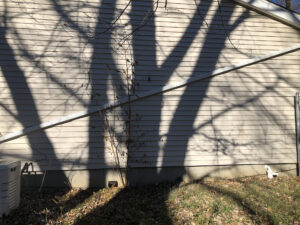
[[146, 94]]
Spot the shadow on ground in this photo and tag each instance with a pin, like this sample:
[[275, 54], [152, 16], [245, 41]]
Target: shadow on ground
[[249, 200]]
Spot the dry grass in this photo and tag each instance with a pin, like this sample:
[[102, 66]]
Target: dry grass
[[252, 200]]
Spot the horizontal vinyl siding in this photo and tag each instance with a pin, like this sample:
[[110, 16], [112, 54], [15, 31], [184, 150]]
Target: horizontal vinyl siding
[[238, 122], [69, 64]]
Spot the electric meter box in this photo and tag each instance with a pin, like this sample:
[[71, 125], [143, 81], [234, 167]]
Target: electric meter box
[[10, 185]]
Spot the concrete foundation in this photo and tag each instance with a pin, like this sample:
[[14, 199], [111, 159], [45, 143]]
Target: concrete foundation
[[144, 176]]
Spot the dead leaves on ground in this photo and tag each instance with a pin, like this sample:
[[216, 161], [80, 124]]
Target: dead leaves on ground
[[251, 200]]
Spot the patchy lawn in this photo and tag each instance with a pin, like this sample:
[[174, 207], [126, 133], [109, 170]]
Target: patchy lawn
[[252, 200]]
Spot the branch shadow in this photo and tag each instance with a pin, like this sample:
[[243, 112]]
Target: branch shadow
[[21, 91], [141, 208]]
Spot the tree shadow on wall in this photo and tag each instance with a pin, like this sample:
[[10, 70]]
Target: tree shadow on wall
[[148, 70], [27, 113], [123, 209]]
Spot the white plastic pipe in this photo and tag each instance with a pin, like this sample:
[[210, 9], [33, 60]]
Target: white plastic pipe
[[143, 95]]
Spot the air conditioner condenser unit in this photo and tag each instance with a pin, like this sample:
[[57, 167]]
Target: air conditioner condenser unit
[[10, 186]]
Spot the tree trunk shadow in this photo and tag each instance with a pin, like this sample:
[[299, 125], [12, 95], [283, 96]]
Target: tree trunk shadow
[[133, 205], [22, 95]]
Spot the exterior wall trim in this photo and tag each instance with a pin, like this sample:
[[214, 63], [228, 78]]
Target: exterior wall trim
[[273, 11]]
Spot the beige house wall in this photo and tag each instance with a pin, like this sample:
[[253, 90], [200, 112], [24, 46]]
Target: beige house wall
[[60, 57]]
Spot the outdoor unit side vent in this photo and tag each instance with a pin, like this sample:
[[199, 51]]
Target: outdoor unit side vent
[[9, 185]]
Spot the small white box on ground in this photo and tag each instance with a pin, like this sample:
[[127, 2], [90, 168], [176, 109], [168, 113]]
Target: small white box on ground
[[10, 185]]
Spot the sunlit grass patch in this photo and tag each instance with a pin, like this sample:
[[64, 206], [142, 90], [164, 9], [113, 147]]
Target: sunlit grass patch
[[204, 204], [256, 200]]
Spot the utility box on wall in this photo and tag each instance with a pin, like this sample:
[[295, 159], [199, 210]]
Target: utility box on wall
[[10, 186]]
